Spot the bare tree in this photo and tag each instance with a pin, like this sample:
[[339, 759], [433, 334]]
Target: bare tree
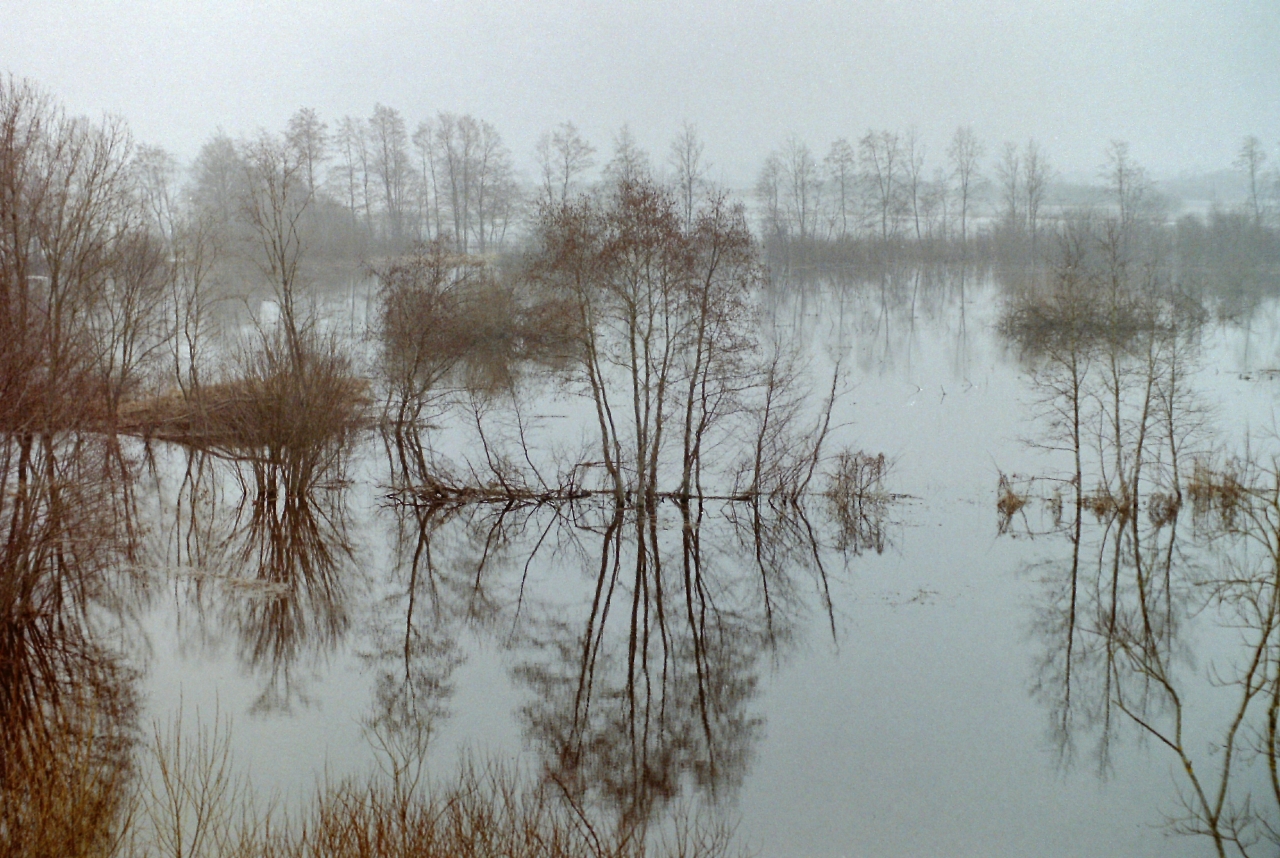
[[965, 154], [1250, 160], [769, 195], [457, 142], [665, 332], [310, 139], [629, 163], [130, 324], [389, 145], [913, 178], [155, 176], [218, 183], [880, 154], [563, 157], [194, 251], [841, 167], [493, 187], [429, 216], [802, 187], [1036, 177], [352, 173], [1009, 171], [686, 159], [1126, 181], [473, 169], [72, 314], [190, 236], [275, 199]]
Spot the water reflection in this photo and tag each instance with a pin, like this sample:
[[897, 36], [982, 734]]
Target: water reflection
[[1128, 618], [638, 635], [67, 701], [649, 687], [879, 316], [268, 541]]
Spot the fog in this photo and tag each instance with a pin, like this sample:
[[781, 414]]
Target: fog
[[1182, 81], [467, 430]]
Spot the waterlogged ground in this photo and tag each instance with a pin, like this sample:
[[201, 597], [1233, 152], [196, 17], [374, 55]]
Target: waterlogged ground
[[895, 688]]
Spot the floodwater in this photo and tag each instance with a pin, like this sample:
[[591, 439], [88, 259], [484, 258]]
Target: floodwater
[[893, 688]]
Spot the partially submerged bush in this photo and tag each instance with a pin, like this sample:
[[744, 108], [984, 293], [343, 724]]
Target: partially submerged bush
[[856, 498], [446, 317], [283, 399], [1009, 501], [1220, 491]]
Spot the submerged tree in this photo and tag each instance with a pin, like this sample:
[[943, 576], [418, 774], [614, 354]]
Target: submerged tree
[[663, 323]]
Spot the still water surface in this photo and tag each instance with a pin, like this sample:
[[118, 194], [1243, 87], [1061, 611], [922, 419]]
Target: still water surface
[[892, 692]]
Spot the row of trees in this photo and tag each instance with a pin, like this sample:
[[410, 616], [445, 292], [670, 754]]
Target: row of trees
[[372, 179], [880, 188], [451, 178], [375, 182]]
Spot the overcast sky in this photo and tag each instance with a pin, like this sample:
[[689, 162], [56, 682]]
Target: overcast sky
[[1181, 80]]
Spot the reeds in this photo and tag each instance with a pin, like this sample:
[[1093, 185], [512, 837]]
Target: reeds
[[198, 806], [1220, 491]]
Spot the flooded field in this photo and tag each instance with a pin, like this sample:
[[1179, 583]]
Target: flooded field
[[644, 431], [922, 653]]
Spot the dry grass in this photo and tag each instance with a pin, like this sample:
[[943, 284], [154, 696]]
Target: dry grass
[[1009, 501], [278, 399], [1105, 504], [194, 803], [1221, 491]]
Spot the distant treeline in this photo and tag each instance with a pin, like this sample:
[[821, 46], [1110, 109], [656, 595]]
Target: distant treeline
[[378, 184], [362, 188]]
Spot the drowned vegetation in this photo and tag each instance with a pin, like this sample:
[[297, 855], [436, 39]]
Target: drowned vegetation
[[651, 315]]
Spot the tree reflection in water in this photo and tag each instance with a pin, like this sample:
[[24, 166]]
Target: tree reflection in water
[[274, 562], [67, 702], [1174, 633], [639, 633]]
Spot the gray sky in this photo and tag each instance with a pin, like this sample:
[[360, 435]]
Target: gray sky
[[1182, 80]]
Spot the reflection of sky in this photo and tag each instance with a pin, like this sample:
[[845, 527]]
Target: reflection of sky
[[914, 734], [919, 736]]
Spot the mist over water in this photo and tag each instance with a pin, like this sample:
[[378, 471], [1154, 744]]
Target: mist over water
[[358, 491]]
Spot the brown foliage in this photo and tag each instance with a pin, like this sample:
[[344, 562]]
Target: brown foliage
[[445, 315], [278, 405]]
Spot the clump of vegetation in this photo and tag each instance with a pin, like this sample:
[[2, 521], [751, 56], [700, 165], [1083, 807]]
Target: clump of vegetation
[[1104, 503], [1218, 491], [1009, 501], [856, 497], [280, 397], [1163, 508]]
